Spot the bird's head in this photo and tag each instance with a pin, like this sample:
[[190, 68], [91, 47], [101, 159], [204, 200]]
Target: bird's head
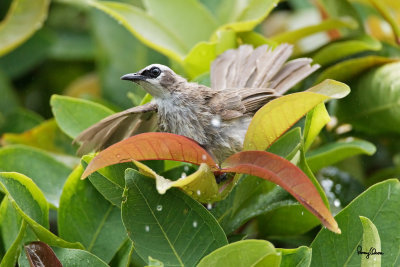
[[158, 80]]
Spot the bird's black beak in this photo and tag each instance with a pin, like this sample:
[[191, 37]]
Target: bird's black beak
[[134, 77]]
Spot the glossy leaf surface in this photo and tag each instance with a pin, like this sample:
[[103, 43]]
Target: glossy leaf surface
[[23, 19], [378, 203], [172, 228], [272, 120], [151, 146], [281, 172]]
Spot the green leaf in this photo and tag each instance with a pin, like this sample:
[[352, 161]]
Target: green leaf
[[26, 197], [27, 56], [252, 196], [32, 206], [243, 16], [370, 240], [316, 119], [78, 258], [329, 24], [338, 50], [156, 223], [374, 106], [85, 216], [299, 257], [340, 9], [46, 136], [109, 181], [10, 223], [288, 144], [8, 99], [112, 63], [74, 115], [242, 253], [272, 120], [191, 12], [11, 256], [286, 217], [200, 57], [23, 19], [349, 69], [20, 120], [72, 45], [332, 153], [283, 173], [146, 28], [47, 173], [378, 203]]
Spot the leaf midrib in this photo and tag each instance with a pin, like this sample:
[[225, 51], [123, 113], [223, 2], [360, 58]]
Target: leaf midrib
[[158, 223]]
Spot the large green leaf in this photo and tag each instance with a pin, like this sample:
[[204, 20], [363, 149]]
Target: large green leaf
[[242, 16], [27, 56], [316, 119], [296, 35], [109, 181], [11, 256], [146, 28], [299, 257], [47, 136], [374, 106], [338, 50], [85, 216], [75, 115], [243, 253], [191, 12], [23, 19], [172, 228], [349, 69], [112, 63], [379, 204], [32, 206], [334, 152], [19, 120], [48, 173]]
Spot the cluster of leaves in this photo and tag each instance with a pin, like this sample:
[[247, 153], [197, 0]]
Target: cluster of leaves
[[118, 217]]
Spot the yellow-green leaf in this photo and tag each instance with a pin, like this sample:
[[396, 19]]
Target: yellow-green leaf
[[276, 117], [23, 19], [348, 69], [201, 184], [315, 121], [294, 36], [371, 243]]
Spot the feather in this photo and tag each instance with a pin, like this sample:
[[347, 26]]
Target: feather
[[117, 127]]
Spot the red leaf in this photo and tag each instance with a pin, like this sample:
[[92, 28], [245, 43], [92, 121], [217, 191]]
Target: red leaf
[[282, 172], [151, 146], [39, 254]]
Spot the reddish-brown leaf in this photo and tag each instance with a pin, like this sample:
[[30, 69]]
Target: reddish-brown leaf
[[39, 254], [151, 146], [282, 172]]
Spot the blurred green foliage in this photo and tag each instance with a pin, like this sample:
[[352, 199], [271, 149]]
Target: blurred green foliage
[[80, 48]]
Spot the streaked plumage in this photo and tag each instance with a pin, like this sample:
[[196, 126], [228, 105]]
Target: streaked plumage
[[242, 81]]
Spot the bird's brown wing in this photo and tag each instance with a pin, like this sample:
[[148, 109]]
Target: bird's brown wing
[[262, 67], [117, 127], [236, 102]]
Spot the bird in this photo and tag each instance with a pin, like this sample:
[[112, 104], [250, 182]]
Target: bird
[[217, 117]]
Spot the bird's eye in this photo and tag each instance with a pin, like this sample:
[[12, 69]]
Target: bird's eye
[[154, 72]]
